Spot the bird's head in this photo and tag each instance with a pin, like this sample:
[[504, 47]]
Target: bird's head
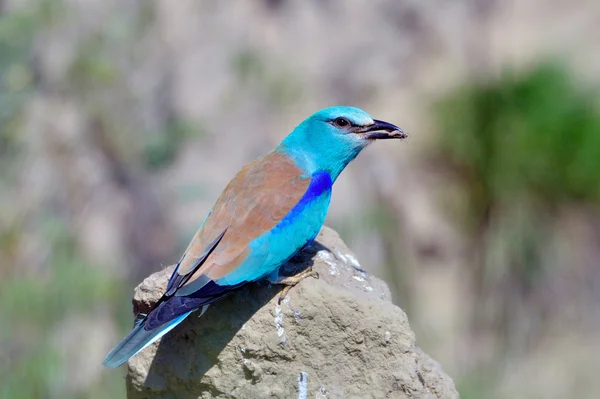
[[332, 137], [353, 125]]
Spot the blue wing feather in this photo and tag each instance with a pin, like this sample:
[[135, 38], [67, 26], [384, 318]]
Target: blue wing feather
[[178, 305], [138, 339]]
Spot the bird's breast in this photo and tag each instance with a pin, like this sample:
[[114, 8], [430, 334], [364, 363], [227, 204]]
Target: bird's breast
[[320, 186]]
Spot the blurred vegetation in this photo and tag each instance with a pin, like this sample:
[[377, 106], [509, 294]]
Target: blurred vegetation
[[276, 86], [16, 40], [37, 303], [523, 146], [529, 136], [32, 366]]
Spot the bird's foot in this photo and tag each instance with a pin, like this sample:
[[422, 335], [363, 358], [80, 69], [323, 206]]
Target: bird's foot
[[291, 281]]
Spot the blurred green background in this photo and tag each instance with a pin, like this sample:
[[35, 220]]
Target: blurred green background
[[121, 121]]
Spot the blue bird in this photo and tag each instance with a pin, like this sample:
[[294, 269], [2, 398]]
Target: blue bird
[[268, 212]]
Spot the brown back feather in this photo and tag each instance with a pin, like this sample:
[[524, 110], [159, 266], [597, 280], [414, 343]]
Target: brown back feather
[[257, 198]]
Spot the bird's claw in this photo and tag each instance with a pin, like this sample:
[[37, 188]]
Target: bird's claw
[[291, 281], [283, 293]]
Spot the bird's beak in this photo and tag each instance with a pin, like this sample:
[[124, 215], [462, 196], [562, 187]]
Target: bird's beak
[[382, 130]]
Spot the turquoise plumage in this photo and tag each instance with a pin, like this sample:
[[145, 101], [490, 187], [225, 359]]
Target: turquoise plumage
[[268, 212]]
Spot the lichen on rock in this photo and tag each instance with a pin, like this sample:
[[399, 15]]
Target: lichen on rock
[[332, 337]]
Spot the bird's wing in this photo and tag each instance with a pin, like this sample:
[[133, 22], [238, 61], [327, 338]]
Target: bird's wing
[[255, 201], [257, 198]]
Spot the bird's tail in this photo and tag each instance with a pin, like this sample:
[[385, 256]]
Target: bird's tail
[[138, 339]]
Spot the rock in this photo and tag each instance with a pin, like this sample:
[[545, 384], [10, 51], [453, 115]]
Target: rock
[[332, 337]]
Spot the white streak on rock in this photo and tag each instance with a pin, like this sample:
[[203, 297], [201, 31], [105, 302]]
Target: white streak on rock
[[342, 257], [327, 258], [358, 278], [387, 337], [353, 260], [322, 394], [303, 385], [279, 323]]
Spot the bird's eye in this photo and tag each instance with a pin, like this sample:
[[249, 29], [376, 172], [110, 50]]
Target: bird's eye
[[341, 122]]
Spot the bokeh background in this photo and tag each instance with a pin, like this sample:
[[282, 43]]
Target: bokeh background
[[121, 122]]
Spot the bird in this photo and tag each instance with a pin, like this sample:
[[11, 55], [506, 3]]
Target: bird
[[272, 208]]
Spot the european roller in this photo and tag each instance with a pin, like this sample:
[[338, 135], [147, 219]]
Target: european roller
[[271, 209]]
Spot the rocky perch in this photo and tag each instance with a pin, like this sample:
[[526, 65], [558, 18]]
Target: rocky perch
[[336, 337]]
